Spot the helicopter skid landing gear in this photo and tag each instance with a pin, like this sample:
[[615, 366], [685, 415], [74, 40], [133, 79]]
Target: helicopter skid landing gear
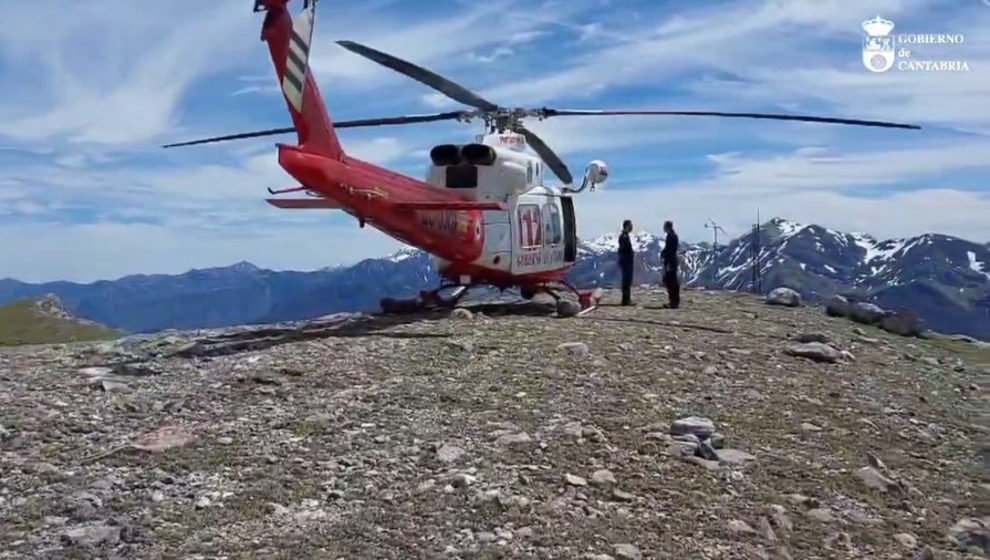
[[428, 300], [433, 300], [587, 301]]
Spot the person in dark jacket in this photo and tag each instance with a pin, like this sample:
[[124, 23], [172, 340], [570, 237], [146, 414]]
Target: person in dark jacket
[[669, 257], [626, 262]]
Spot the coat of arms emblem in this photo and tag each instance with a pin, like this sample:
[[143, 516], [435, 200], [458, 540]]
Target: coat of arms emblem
[[878, 45]]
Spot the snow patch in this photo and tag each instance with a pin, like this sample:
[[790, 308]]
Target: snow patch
[[403, 254], [788, 228], [880, 251], [975, 265], [609, 242]]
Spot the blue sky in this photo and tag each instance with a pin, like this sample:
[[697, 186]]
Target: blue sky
[[89, 90]]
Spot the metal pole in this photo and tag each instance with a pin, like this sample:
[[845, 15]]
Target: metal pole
[[759, 251], [715, 227], [715, 255]]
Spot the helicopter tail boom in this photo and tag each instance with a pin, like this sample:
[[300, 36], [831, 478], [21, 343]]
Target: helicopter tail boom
[[289, 39]]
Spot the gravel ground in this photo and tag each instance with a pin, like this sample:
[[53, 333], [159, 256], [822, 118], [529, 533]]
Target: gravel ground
[[501, 435]]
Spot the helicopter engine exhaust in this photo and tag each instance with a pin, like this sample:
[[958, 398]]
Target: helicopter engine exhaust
[[445, 154], [478, 154]]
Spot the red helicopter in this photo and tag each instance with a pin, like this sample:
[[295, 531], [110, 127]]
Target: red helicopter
[[484, 212]]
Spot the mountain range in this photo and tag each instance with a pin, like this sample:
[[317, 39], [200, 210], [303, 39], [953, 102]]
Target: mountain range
[[944, 280]]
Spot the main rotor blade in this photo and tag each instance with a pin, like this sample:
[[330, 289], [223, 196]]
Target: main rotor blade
[[549, 157], [233, 137], [579, 112], [422, 75], [406, 119]]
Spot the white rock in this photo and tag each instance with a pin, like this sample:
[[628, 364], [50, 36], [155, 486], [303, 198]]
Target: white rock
[[575, 480], [701, 427], [578, 349], [784, 296], [93, 535], [603, 477], [509, 439], [449, 453], [629, 551], [461, 313], [739, 527], [815, 351], [907, 540]]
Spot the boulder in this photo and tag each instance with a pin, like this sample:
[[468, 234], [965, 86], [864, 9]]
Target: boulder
[[784, 296], [567, 308], [700, 427], [971, 533], [866, 313], [815, 351], [837, 306], [824, 338], [903, 322]]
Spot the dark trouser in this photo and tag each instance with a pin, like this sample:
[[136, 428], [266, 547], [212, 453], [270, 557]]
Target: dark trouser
[[627, 275], [673, 287]]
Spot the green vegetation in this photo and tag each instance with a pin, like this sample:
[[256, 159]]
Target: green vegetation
[[975, 354], [22, 322]]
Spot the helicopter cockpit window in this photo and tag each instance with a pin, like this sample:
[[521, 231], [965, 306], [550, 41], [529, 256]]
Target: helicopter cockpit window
[[463, 176], [554, 231], [530, 226]]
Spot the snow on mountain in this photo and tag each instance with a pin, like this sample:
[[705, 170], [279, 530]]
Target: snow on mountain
[[975, 265], [640, 240], [403, 254], [786, 228]]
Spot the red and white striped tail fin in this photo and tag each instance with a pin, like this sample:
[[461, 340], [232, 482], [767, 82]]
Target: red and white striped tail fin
[[297, 56], [289, 39]]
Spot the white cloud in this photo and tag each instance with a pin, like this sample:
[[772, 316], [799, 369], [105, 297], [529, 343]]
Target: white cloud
[[817, 169], [602, 134], [125, 88], [812, 186], [378, 150], [227, 196], [444, 42]]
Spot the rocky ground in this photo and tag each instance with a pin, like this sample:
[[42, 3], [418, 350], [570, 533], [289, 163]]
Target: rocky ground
[[697, 433]]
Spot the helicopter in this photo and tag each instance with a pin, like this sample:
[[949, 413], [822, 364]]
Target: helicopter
[[484, 212]]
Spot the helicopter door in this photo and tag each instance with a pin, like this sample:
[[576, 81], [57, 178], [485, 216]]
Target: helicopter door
[[498, 240], [570, 229]]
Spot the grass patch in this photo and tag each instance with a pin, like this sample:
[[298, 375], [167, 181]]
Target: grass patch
[[972, 353], [21, 322]]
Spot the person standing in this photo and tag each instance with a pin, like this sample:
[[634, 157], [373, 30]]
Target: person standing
[[669, 258], [626, 259]]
